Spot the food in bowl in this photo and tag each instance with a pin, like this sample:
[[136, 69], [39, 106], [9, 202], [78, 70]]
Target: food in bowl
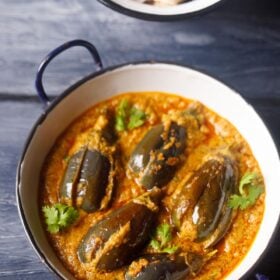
[[161, 2], [160, 9], [146, 185]]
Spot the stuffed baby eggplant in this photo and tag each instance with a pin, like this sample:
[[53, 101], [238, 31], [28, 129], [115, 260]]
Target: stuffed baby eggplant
[[88, 180], [113, 241], [202, 204]]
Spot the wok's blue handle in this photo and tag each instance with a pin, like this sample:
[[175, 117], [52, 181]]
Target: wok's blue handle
[[75, 43]]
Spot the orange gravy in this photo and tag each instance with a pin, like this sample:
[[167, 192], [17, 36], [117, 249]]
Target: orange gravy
[[217, 132]]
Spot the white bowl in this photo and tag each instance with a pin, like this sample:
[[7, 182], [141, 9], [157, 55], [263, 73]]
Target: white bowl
[[140, 78], [151, 12]]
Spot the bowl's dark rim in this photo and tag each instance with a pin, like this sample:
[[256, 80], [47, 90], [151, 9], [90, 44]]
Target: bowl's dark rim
[[155, 17], [56, 101]]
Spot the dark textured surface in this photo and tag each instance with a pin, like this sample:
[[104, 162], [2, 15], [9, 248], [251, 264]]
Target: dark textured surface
[[239, 42]]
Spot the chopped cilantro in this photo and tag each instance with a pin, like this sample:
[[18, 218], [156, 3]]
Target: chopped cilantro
[[170, 250], [121, 115], [161, 239], [59, 216], [128, 117], [249, 192], [246, 180], [136, 119], [155, 244], [163, 232]]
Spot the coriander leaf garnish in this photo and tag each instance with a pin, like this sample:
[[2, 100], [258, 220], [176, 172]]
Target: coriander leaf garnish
[[128, 116], [59, 216], [161, 239], [163, 232], [246, 180], [136, 119], [249, 192], [121, 115], [155, 244], [170, 250]]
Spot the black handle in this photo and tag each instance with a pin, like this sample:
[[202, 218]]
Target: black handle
[[75, 43]]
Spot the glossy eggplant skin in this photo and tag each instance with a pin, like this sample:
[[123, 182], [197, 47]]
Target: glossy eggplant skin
[[93, 180], [164, 267], [203, 200], [70, 179], [89, 176], [113, 241], [155, 159], [141, 154]]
